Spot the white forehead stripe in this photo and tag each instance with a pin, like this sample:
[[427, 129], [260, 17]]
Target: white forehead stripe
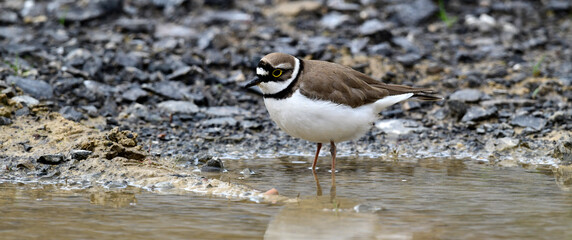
[[261, 72], [272, 87], [284, 65]]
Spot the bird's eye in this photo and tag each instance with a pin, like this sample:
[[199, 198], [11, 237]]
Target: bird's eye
[[277, 73]]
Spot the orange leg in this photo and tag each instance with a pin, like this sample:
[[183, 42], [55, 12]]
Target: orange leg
[[319, 146], [333, 152]]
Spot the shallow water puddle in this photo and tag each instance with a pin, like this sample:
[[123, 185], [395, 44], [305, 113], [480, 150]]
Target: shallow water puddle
[[371, 199]]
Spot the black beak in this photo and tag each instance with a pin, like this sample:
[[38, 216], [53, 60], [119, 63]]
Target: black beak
[[253, 82]]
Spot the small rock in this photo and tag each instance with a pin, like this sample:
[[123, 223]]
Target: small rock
[[333, 20], [373, 26], [383, 49], [5, 121], [79, 154], [136, 25], [213, 165], [179, 72], [399, 126], [184, 107], [52, 159], [128, 59], [296, 8], [358, 44], [411, 14], [506, 143], [7, 16], [467, 95], [134, 94], [174, 30], [223, 121], [529, 122], [69, 112], [37, 89], [478, 114], [457, 108], [169, 89], [26, 100], [408, 59], [224, 111]]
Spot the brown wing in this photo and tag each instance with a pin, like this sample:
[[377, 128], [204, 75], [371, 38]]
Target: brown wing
[[343, 85]]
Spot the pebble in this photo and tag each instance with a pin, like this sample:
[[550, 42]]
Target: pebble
[[5, 121], [79, 154], [134, 94], [36, 88], [51, 159], [293, 9], [333, 20], [184, 107], [414, 12], [373, 26], [221, 121], [399, 126], [69, 112], [26, 100], [479, 114], [409, 59], [213, 165], [467, 95], [224, 111], [528, 122]]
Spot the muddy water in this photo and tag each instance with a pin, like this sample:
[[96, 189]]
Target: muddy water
[[371, 199]]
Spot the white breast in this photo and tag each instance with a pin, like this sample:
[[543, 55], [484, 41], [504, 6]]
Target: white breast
[[319, 121]]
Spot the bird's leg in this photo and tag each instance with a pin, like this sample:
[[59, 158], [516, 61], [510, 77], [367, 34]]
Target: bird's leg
[[319, 146], [318, 187], [333, 152]]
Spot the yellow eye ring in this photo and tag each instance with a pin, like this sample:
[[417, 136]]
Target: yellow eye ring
[[277, 73]]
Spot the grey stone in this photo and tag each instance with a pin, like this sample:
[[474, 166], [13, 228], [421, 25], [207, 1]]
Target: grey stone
[[98, 88], [179, 72], [79, 154], [381, 49], [373, 26], [409, 59], [528, 122], [467, 95], [27, 100], [478, 114], [457, 108], [213, 165], [136, 25], [174, 30], [128, 59], [5, 121], [69, 112], [334, 19], [93, 9], [399, 126], [411, 14], [36, 88], [134, 94], [52, 159], [222, 121], [224, 111], [169, 89], [77, 57], [358, 44], [185, 107], [7, 16]]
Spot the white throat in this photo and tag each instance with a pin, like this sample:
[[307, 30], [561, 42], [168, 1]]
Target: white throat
[[275, 87]]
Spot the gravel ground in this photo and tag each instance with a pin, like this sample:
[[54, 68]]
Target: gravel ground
[[168, 73]]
